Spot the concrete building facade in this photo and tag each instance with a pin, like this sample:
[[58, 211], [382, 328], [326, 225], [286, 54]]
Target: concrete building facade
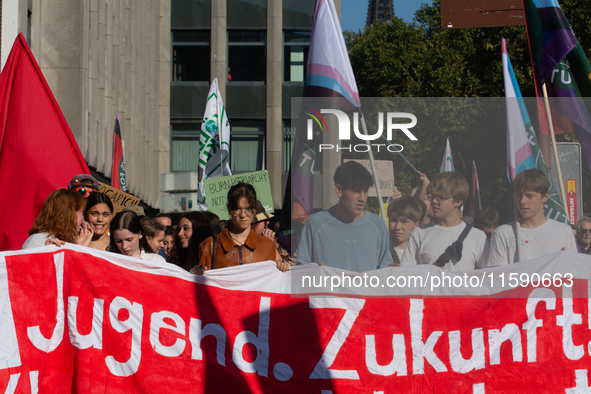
[[152, 61], [101, 58]]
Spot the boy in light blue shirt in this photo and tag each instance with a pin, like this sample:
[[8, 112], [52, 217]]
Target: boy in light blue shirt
[[346, 236]]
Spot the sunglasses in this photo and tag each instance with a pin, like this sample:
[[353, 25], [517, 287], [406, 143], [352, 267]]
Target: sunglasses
[[84, 191], [585, 231]]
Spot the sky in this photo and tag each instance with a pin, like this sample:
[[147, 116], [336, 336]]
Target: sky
[[354, 12]]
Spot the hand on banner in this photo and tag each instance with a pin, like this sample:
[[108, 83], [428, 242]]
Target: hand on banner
[[283, 265], [396, 193], [54, 241], [85, 235], [198, 270]]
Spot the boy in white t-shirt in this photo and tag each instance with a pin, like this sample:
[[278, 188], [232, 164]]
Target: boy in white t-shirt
[[404, 214], [438, 242], [539, 236]]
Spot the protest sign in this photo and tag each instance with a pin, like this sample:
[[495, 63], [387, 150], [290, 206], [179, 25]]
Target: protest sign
[[80, 320], [119, 198], [385, 172], [216, 190]]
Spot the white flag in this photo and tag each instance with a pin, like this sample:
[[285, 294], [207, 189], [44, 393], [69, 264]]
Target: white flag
[[447, 164], [214, 142]]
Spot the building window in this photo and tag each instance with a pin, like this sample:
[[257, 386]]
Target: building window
[[247, 59], [184, 147], [247, 145], [191, 55], [295, 55]]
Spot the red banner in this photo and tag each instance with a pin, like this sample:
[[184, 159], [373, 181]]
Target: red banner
[[82, 321]]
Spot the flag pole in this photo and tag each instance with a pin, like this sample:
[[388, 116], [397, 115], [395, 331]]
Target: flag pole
[[554, 148], [374, 171], [220, 131], [517, 215]]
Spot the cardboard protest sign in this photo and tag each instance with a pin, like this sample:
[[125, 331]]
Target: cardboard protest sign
[[216, 190], [385, 171], [81, 320], [119, 198]]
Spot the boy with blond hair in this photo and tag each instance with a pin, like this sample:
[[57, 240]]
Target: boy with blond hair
[[539, 236], [447, 241], [404, 214]]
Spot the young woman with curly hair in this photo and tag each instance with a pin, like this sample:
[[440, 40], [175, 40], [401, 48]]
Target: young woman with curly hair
[[61, 220]]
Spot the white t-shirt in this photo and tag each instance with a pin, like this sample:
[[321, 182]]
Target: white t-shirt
[[35, 241], [429, 241], [400, 253], [548, 238], [152, 256]]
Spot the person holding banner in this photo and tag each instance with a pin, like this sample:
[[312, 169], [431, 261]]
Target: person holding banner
[[127, 237], [61, 220], [238, 243], [99, 212], [447, 242], [346, 236], [540, 236]]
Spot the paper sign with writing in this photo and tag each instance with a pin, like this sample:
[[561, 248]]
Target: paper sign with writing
[[216, 190], [119, 198], [385, 171]]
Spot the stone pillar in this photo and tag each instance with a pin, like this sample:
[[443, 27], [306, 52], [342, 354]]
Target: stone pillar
[[274, 85], [219, 43]]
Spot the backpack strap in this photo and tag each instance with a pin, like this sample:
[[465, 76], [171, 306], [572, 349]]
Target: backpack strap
[[454, 250]]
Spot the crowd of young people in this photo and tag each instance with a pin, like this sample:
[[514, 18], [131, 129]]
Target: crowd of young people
[[428, 228], [81, 214], [422, 229]]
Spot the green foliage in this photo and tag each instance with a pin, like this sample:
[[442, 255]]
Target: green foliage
[[421, 59]]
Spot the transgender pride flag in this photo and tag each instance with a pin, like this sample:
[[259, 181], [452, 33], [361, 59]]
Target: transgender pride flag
[[523, 151], [329, 68], [519, 154]]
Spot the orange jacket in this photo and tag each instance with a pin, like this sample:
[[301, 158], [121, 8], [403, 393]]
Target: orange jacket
[[256, 248]]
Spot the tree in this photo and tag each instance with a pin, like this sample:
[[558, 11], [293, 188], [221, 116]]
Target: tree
[[421, 59]]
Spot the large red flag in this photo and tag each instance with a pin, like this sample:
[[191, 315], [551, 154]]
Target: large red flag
[[38, 152]]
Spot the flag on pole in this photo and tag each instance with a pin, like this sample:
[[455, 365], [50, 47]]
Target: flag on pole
[[559, 61], [447, 164], [38, 153], [523, 150], [214, 142], [475, 204], [329, 74], [118, 171]]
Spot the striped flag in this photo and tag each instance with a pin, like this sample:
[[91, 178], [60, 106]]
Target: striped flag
[[523, 150], [329, 74], [559, 61], [214, 142], [447, 164], [118, 171]]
